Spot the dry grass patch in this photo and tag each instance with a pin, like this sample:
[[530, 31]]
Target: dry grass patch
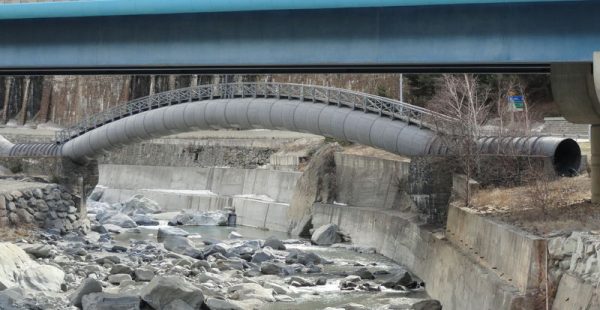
[[12, 233], [542, 207]]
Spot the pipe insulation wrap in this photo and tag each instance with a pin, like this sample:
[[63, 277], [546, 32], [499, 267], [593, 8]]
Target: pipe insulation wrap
[[293, 115]]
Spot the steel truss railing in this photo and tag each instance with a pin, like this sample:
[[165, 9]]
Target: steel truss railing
[[396, 110]]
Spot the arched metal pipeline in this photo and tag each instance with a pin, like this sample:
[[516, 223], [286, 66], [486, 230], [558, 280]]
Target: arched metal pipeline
[[293, 115]]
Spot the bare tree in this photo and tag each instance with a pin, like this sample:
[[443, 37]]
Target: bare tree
[[463, 98]]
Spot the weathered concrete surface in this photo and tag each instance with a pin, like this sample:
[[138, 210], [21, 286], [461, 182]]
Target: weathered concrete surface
[[368, 181], [515, 254], [277, 185], [259, 197], [574, 294], [450, 275]]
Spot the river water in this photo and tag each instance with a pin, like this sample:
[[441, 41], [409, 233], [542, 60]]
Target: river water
[[345, 262]]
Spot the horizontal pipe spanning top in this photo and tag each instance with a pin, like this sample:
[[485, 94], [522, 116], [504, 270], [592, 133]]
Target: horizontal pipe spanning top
[[149, 7]]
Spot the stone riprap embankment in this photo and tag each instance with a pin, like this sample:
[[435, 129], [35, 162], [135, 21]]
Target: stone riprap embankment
[[44, 205]]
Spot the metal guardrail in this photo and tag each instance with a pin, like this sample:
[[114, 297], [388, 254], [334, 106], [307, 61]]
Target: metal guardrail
[[317, 94]]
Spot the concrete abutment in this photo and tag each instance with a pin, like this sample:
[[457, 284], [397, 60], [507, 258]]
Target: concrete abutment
[[576, 89]]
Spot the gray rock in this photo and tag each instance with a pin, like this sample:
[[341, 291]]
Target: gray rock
[[144, 274], [274, 243], [96, 194], [18, 269], [105, 301], [271, 268], [251, 291], [108, 260], [165, 232], [364, 274], [178, 304], [118, 278], [41, 206], [121, 268], [119, 219], [353, 306], [300, 282], [41, 251], [14, 218], [144, 220], [326, 235], [262, 256], [39, 216], [234, 235], [87, 286], [183, 246], [304, 258], [427, 304], [213, 249], [139, 204], [163, 290], [24, 216], [222, 304], [215, 218], [37, 193], [399, 279]]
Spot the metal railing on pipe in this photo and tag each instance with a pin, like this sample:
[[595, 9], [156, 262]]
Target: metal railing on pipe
[[318, 94]]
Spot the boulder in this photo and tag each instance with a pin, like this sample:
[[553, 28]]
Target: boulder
[[234, 235], [180, 219], [251, 291], [304, 258], [97, 194], [300, 282], [105, 301], [97, 207], [183, 246], [215, 248], [426, 304], [271, 268], [18, 269], [165, 232], [87, 286], [274, 243], [118, 219], [118, 278], [24, 216], [364, 274], [121, 268], [262, 256], [222, 304], [41, 251], [144, 274], [144, 220], [399, 279], [178, 304], [326, 235], [139, 204], [163, 290], [213, 218]]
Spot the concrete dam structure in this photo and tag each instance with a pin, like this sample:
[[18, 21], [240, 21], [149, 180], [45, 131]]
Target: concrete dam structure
[[370, 120]]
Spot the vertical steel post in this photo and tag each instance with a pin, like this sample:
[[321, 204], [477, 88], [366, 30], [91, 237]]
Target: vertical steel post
[[595, 162]]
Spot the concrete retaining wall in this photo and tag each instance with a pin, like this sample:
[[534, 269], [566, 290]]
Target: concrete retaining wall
[[574, 294], [278, 185], [450, 274], [225, 186], [368, 181], [515, 254]]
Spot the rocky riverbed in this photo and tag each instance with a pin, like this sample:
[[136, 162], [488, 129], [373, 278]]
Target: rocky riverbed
[[131, 259]]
